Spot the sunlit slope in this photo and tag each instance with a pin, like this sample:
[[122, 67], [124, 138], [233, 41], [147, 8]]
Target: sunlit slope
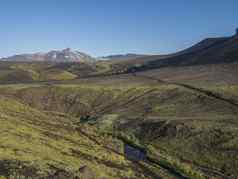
[[36, 144], [193, 132], [21, 72]]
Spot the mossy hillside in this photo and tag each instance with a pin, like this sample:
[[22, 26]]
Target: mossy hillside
[[229, 91], [42, 72], [13, 76], [29, 135], [58, 75], [164, 101], [156, 160], [195, 147], [206, 144], [15, 72], [190, 123], [30, 69]]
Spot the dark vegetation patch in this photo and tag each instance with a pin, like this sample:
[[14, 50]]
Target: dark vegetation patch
[[10, 168]]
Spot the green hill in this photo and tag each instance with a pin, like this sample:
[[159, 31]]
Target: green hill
[[185, 132]]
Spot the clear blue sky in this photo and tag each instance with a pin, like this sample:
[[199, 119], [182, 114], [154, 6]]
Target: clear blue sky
[[103, 27]]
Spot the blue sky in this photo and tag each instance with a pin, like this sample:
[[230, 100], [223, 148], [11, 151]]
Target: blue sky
[[103, 27]]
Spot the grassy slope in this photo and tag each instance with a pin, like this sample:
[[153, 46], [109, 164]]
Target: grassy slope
[[184, 131], [35, 72], [187, 128], [47, 141], [215, 74]]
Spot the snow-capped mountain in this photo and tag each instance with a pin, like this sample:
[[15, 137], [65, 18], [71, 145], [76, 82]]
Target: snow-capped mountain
[[66, 55]]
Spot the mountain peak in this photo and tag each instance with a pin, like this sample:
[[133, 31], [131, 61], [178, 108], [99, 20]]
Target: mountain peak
[[65, 55], [66, 50]]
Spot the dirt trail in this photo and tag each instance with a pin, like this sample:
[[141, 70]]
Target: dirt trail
[[209, 93], [196, 89]]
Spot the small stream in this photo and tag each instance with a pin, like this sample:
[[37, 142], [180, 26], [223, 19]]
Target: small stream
[[137, 154]]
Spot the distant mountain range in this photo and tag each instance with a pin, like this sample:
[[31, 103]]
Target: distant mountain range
[[66, 55], [208, 51], [122, 57]]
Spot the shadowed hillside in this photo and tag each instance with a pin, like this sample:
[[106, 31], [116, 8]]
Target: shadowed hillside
[[208, 51]]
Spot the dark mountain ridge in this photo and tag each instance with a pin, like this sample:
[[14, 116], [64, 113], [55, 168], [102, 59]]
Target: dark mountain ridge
[[123, 57], [208, 51]]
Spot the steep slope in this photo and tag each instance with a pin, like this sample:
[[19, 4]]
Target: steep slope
[[37, 144], [203, 45], [209, 51]]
